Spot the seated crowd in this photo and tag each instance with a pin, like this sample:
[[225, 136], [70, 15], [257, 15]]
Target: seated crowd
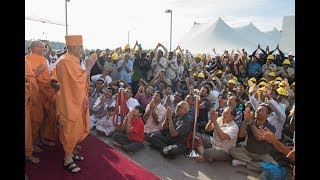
[[245, 111]]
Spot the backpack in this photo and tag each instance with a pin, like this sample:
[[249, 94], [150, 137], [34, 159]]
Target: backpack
[[271, 171]]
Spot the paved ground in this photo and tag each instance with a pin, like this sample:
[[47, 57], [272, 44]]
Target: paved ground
[[184, 168]]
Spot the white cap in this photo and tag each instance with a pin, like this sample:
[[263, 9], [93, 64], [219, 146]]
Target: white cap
[[291, 53], [236, 53], [260, 52], [218, 55], [277, 53]]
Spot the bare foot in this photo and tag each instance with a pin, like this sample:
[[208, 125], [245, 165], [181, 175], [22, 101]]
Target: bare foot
[[33, 159], [48, 143], [116, 144], [37, 149], [200, 159]]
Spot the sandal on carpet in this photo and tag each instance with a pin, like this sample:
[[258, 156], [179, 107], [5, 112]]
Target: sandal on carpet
[[77, 158], [71, 166]]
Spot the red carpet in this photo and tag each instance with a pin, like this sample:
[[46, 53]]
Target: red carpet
[[102, 162]]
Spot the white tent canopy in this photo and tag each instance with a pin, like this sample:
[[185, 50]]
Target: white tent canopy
[[287, 41], [203, 37]]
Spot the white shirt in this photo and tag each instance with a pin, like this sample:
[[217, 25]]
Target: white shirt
[[172, 70], [156, 67], [96, 105], [276, 118], [95, 78], [231, 129], [53, 63], [150, 126], [131, 103]]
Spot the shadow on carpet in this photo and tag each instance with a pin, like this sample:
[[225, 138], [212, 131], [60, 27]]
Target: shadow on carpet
[[102, 162]]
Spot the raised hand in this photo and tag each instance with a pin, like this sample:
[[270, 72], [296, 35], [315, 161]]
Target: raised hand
[[252, 90], [152, 104], [91, 60], [270, 137], [247, 115], [168, 101], [213, 115], [103, 98], [168, 112]]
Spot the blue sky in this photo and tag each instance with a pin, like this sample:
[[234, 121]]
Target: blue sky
[[106, 23]]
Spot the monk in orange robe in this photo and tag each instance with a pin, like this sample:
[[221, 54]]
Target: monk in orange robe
[[30, 89], [36, 114], [48, 88], [72, 99]]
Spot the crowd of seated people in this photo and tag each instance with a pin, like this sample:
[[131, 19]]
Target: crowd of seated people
[[245, 102]]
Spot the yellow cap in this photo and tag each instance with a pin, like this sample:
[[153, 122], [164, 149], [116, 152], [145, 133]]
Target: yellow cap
[[283, 84], [262, 84], [253, 79], [214, 78], [250, 83], [282, 91], [270, 57], [201, 75], [179, 52], [287, 62], [278, 79], [263, 80], [235, 78], [232, 81], [115, 56], [199, 56], [271, 82], [195, 74], [219, 72], [127, 46], [189, 69], [272, 74]]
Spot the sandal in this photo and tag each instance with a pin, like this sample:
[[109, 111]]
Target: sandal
[[77, 158], [70, 167]]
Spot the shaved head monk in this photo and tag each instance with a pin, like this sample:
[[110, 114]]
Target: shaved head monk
[[48, 88], [72, 99], [31, 97]]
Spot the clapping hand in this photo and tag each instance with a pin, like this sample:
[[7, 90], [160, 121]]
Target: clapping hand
[[91, 60], [213, 115], [247, 115]]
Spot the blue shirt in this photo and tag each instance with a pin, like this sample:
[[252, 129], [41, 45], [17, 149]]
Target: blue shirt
[[252, 68], [124, 73]]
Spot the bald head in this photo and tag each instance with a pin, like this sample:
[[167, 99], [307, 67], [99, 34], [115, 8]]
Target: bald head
[[185, 105], [182, 108], [37, 47]]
